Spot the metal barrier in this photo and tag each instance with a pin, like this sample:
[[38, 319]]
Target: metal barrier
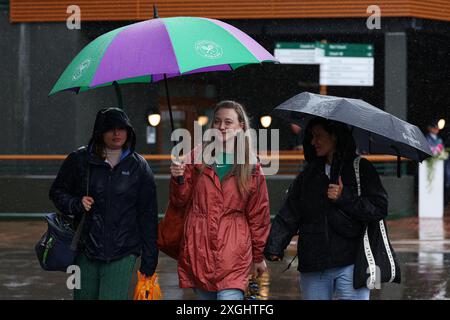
[[26, 179], [290, 162]]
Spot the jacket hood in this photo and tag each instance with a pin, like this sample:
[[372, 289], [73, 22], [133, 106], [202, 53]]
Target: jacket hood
[[345, 148], [110, 118]]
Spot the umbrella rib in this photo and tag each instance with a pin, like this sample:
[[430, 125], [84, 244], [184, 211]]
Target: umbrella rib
[[120, 30], [172, 46], [166, 84]]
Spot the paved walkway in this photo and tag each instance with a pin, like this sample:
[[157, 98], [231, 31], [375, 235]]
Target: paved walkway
[[422, 245]]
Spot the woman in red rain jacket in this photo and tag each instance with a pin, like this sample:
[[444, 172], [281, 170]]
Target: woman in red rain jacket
[[228, 221]]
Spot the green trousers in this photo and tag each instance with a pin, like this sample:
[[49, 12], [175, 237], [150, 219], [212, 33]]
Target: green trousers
[[104, 281]]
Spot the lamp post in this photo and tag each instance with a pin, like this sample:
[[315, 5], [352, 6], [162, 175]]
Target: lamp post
[[202, 120], [153, 119], [265, 121]]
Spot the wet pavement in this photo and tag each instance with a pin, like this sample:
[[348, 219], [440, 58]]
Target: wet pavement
[[422, 246]]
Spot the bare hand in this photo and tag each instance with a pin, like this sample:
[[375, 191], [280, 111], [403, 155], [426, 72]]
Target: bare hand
[[87, 203], [259, 268], [275, 258], [177, 169], [335, 190]]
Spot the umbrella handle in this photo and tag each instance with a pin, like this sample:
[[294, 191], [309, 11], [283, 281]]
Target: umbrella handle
[[180, 179], [347, 145], [399, 174], [119, 94]]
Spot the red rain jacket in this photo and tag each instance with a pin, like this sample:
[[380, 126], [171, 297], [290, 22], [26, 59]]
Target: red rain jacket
[[224, 233]]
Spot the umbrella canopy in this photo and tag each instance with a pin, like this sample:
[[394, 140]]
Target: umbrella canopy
[[151, 50], [374, 130]]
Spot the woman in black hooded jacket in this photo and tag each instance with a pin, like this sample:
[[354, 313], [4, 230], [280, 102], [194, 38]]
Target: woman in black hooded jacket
[[323, 207], [121, 207]]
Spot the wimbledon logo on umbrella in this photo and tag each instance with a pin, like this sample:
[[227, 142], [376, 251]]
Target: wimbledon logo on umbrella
[[81, 69], [208, 49], [410, 135]]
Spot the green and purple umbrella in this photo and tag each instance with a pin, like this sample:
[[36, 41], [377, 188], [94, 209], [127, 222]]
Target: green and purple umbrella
[[151, 50], [157, 49]]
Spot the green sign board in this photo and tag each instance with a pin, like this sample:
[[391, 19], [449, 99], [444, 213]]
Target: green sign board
[[349, 50], [295, 45], [296, 52], [341, 64]]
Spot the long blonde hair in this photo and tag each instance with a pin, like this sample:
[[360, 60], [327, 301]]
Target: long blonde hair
[[243, 171]]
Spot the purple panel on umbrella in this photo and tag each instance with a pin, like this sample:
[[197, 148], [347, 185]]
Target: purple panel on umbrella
[[143, 48], [223, 67], [254, 47]]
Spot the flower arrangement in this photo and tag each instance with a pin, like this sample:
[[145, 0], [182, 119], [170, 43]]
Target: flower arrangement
[[439, 153]]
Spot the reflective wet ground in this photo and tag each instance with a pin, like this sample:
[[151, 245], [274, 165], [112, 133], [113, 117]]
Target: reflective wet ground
[[422, 246]]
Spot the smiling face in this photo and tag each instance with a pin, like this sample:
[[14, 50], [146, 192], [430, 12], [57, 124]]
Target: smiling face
[[323, 142], [226, 120], [115, 138]]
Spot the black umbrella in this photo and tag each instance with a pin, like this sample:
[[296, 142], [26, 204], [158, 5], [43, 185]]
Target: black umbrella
[[374, 130]]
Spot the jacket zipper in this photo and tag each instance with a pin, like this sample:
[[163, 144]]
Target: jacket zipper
[[108, 233], [108, 207], [327, 237]]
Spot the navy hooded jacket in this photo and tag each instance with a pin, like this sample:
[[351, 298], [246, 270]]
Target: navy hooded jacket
[[123, 219]]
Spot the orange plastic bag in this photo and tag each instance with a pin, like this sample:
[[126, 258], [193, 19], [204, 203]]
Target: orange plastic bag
[[147, 288]]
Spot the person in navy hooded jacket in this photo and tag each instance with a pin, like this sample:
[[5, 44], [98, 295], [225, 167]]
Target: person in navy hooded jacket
[[121, 207]]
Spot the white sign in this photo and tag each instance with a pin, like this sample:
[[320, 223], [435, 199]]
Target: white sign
[[345, 64], [347, 71], [295, 53]]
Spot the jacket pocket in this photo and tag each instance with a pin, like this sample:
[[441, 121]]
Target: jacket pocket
[[311, 247], [344, 225]]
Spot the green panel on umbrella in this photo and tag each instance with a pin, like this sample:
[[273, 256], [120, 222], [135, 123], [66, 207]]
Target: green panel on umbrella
[[81, 70], [234, 66], [142, 79], [194, 48]]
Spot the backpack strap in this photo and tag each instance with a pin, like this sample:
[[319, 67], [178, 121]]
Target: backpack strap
[[371, 264], [367, 249], [357, 176], [77, 235], [388, 250]]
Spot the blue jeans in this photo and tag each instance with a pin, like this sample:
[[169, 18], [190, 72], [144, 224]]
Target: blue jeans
[[337, 282], [227, 294]]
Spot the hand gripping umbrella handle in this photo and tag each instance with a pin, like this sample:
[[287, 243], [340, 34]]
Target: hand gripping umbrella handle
[[180, 179]]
